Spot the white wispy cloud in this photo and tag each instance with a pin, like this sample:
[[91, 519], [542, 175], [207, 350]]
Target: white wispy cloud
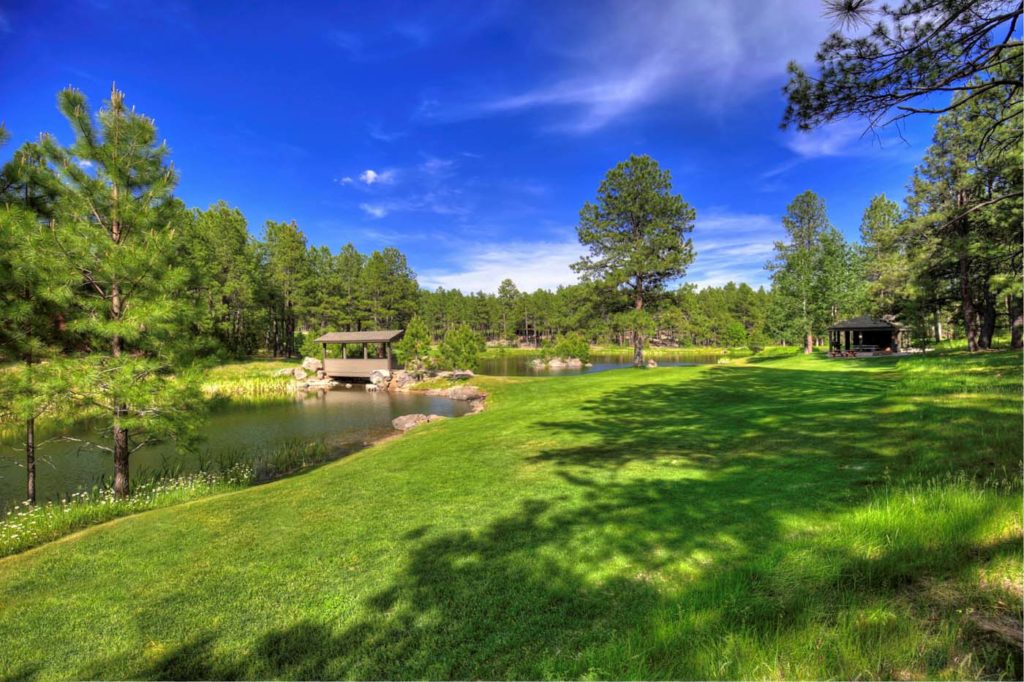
[[733, 247], [531, 265], [627, 57], [375, 210], [835, 139], [84, 163]]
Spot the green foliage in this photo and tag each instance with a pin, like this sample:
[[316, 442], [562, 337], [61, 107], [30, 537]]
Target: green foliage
[[460, 349], [413, 349], [114, 228], [572, 345], [636, 233], [816, 275], [885, 60]]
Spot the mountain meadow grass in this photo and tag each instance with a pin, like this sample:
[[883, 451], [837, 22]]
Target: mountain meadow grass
[[778, 517]]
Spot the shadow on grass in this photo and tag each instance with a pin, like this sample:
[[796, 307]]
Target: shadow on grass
[[658, 572]]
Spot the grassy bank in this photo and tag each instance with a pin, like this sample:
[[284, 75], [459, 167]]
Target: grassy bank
[[793, 517], [24, 526]]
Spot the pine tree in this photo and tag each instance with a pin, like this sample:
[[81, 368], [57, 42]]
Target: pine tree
[[115, 227], [636, 234]]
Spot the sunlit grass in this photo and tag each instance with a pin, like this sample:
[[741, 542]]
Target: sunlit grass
[[786, 517]]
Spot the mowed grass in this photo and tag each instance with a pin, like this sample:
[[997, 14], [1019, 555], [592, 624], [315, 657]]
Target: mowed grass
[[796, 517]]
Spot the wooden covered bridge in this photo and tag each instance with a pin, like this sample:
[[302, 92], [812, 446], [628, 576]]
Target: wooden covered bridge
[[360, 367]]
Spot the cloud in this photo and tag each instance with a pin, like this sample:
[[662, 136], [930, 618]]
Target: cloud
[[84, 163], [377, 133], [836, 139], [372, 177], [626, 59], [346, 181], [733, 247], [531, 265], [375, 210]]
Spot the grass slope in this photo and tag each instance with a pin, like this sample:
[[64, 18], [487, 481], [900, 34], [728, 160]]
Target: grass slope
[[797, 517]]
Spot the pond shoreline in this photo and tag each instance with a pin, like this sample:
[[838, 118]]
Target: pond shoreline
[[23, 528]]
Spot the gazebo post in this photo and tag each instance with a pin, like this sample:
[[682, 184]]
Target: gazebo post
[[344, 351], [365, 355], [323, 357]]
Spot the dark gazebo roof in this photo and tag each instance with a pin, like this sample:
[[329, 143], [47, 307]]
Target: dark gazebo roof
[[381, 336], [865, 322]]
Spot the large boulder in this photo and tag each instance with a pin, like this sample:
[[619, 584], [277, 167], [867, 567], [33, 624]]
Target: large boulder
[[299, 373], [401, 380], [466, 393], [286, 372], [311, 364], [380, 377], [652, 363], [408, 421], [461, 374]]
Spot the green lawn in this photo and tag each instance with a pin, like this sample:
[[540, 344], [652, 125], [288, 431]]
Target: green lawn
[[795, 517]]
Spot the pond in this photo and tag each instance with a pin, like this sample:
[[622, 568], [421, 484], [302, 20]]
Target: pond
[[344, 419], [518, 364]]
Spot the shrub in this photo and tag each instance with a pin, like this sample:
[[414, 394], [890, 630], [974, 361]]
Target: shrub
[[414, 348], [461, 349], [572, 345]]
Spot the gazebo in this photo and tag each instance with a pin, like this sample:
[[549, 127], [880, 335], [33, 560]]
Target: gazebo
[[359, 368], [864, 334]]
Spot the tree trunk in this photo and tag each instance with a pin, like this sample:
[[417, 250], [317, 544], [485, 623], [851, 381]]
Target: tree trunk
[[638, 337], [809, 343], [121, 484], [30, 460], [1015, 311], [120, 433], [988, 321], [967, 305], [938, 327]]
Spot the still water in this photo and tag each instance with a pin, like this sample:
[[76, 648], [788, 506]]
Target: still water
[[344, 419], [519, 365]]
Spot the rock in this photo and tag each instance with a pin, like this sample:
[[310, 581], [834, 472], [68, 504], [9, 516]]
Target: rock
[[380, 377], [372, 387], [574, 363], [537, 362], [435, 417], [408, 421], [556, 363], [299, 373], [461, 374], [466, 393], [320, 383], [286, 372], [348, 385], [476, 406], [652, 363], [401, 380], [311, 364], [320, 374]]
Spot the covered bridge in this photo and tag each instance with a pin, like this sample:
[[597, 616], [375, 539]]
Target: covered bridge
[[359, 367], [864, 335]]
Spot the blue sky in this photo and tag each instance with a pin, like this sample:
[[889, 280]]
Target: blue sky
[[468, 135]]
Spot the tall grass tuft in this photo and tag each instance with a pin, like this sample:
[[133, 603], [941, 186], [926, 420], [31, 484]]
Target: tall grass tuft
[[25, 526]]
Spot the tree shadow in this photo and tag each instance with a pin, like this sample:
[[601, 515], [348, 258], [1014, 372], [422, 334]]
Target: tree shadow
[[617, 576]]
